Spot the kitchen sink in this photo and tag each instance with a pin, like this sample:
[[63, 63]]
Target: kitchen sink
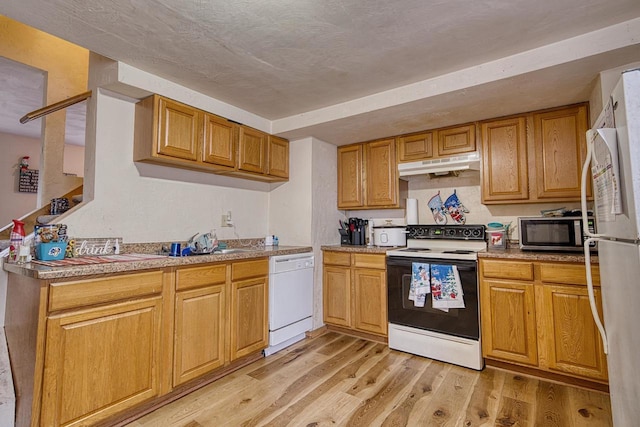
[[231, 251]]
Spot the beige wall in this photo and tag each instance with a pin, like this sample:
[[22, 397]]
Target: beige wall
[[66, 68], [12, 203]]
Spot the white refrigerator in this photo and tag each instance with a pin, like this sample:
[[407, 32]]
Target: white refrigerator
[[613, 164]]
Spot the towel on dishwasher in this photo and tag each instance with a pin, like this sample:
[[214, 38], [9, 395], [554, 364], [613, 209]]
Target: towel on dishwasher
[[419, 287], [446, 289]]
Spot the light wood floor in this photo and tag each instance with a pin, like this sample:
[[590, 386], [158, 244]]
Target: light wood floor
[[336, 380]]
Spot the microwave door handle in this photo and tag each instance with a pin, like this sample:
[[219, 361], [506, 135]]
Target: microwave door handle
[[592, 298]]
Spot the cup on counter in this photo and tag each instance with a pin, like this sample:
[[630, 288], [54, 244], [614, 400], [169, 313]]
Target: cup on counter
[[175, 249]]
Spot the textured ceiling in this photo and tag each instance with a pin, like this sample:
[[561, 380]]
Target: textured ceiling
[[282, 58]]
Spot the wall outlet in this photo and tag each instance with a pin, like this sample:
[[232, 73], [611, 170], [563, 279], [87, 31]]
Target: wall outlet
[[226, 220]]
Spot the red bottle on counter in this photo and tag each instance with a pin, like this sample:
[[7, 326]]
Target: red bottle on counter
[[16, 238]]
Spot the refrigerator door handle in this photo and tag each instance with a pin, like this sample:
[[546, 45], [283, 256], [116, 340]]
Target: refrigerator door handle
[[583, 187], [592, 298]]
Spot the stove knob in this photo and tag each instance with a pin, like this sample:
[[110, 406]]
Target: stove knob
[[476, 233], [466, 233], [450, 232]]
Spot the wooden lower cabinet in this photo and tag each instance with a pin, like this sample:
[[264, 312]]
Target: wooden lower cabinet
[[509, 322], [200, 321], [572, 340], [355, 291], [337, 295], [105, 360], [537, 314], [102, 347], [249, 307], [370, 300]]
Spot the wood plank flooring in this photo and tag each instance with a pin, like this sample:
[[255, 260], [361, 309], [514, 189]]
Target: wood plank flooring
[[338, 380]]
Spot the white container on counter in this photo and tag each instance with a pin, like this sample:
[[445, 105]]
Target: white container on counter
[[390, 235]]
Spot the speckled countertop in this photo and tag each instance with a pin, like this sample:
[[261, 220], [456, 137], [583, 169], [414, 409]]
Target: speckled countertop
[[511, 253], [359, 249], [517, 253], [38, 271]]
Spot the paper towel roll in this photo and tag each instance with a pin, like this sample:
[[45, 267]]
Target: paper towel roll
[[412, 211]]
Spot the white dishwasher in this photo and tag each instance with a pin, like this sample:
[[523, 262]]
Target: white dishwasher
[[290, 299]]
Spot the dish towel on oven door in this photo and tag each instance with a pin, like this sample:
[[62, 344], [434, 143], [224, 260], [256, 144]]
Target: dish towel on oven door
[[446, 289], [419, 287]]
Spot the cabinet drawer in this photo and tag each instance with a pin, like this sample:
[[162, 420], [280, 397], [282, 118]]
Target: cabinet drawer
[[369, 260], [507, 269], [188, 278], [64, 295], [337, 258], [246, 269], [571, 274]]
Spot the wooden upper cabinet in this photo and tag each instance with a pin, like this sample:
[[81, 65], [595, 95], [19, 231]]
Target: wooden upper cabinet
[[504, 160], [350, 176], [368, 175], [535, 157], [278, 149], [559, 144], [381, 173], [219, 143], [252, 149], [437, 143], [170, 133], [178, 129], [456, 140], [415, 147]]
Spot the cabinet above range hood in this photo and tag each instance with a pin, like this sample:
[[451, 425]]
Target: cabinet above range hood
[[443, 166]]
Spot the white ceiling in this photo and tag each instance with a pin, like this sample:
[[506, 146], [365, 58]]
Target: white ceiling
[[313, 67]]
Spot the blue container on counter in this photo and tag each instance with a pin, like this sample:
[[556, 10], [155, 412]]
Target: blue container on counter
[[51, 251]]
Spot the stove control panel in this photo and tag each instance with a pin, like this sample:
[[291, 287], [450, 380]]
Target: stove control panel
[[448, 232]]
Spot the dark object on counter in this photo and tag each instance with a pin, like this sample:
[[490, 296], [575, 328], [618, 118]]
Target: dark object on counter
[[353, 231]]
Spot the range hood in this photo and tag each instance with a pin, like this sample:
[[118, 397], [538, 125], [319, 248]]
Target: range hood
[[443, 166]]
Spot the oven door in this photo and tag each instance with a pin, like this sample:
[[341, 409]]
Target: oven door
[[460, 322]]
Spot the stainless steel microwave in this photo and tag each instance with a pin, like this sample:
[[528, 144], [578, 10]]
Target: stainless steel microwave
[[554, 233]]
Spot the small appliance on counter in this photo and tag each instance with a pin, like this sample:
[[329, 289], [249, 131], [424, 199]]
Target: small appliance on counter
[[554, 233], [389, 232], [353, 231]]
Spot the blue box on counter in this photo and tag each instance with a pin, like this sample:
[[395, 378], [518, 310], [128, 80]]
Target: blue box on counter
[[51, 251]]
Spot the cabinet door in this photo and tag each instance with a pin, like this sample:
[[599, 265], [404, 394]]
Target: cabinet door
[[199, 332], [370, 299], [573, 343], [220, 139], [278, 157], [350, 176], [336, 284], [381, 172], [252, 149], [179, 130], [456, 140], [560, 148], [101, 361], [504, 160], [415, 147], [249, 321], [508, 321]]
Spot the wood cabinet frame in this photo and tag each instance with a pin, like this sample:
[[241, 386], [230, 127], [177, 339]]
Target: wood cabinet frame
[[171, 133], [536, 314], [534, 157], [355, 291]]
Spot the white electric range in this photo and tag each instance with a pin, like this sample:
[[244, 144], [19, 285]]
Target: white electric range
[[450, 335]]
